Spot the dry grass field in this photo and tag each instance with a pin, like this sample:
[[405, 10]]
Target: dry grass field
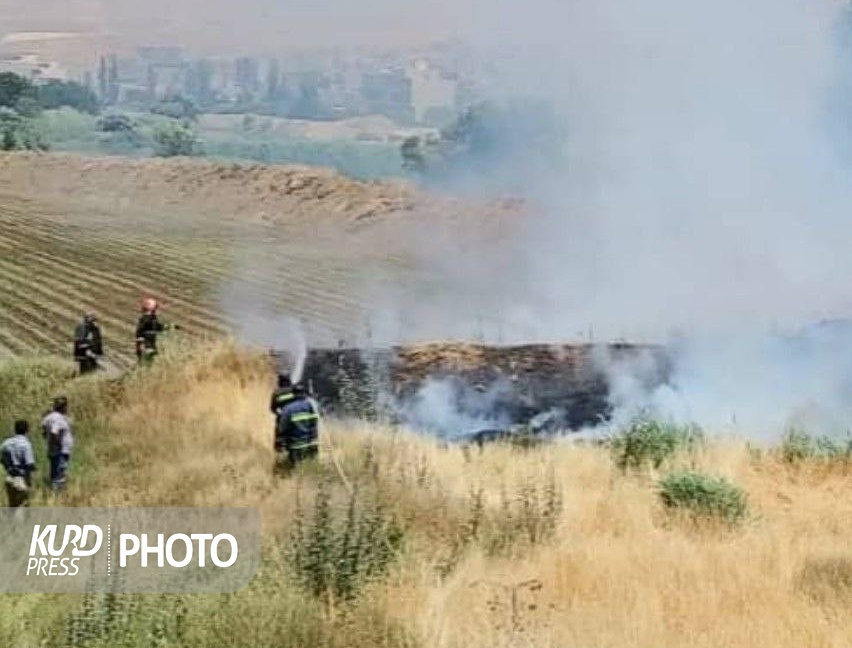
[[551, 546]]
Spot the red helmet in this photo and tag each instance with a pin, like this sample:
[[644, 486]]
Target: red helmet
[[149, 305]]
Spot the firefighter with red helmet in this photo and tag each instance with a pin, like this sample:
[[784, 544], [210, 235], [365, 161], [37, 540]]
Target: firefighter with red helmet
[[147, 329]]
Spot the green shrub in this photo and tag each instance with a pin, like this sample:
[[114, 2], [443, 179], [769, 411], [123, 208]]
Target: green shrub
[[797, 446], [19, 131], [334, 556], [527, 517], [173, 139], [649, 443], [703, 497]]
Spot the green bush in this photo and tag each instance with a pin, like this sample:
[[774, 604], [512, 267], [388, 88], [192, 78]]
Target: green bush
[[649, 443], [334, 556], [18, 131], [797, 446], [173, 139], [702, 497], [527, 517]]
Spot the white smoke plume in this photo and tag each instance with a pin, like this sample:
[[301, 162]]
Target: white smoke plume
[[703, 194], [451, 410], [260, 322], [704, 198], [757, 386]]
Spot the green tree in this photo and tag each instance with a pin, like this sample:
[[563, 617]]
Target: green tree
[[13, 87], [19, 132], [413, 155], [9, 143], [116, 123], [27, 106], [173, 139], [55, 94]]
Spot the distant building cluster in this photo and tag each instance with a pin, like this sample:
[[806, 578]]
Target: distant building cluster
[[419, 88], [427, 87]]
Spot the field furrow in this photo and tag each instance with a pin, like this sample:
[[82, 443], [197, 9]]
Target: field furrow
[[167, 264], [9, 340], [190, 314], [215, 275]]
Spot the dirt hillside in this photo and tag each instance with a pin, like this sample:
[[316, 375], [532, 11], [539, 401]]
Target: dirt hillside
[[276, 194], [228, 248]]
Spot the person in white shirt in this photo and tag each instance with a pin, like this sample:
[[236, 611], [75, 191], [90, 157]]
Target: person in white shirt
[[60, 441]]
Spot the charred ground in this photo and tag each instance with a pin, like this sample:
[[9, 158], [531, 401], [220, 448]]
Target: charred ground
[[507, 384]]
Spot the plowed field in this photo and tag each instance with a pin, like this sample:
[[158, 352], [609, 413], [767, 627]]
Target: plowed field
[[221, 246]]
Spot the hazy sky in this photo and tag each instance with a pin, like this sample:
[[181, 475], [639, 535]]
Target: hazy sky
[[248, 25]]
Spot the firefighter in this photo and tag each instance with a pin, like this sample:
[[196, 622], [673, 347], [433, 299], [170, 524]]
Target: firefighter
[[281, 397], [283, 394], [88, 344], [297, 431], [147, 329]]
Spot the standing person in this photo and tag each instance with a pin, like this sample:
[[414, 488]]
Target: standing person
[[297, 432], [147, 329], [88, 344], [60, 441], [281, 397], [16, 455]]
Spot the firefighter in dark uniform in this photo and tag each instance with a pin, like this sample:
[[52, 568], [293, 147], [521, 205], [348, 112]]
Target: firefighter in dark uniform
[[297, 432], [88, 344], [283, 394], [147, 329]]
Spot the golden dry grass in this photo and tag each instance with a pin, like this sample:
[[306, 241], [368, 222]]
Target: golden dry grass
[[617, 572]]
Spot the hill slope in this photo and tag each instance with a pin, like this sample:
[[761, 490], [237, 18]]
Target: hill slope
[[228, 248], [544, 546]]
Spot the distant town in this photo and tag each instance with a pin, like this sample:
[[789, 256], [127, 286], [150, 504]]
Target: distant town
[[424, 87]]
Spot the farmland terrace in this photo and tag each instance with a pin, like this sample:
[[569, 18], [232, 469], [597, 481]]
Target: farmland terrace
[[212, 240]]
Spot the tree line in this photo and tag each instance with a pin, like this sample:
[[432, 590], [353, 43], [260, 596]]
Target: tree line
[[21, 101]]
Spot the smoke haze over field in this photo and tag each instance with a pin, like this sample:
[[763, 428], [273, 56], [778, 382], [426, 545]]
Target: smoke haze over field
[[703, 192], [704, 195], [250, 26]]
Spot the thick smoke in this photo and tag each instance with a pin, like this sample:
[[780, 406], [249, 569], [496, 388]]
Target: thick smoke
[[260, 321], [701, 190], [451, 409], [748, 384], [703, 199]]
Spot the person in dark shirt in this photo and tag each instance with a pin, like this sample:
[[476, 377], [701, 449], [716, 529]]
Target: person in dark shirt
[[88, 344], [18, 459]]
